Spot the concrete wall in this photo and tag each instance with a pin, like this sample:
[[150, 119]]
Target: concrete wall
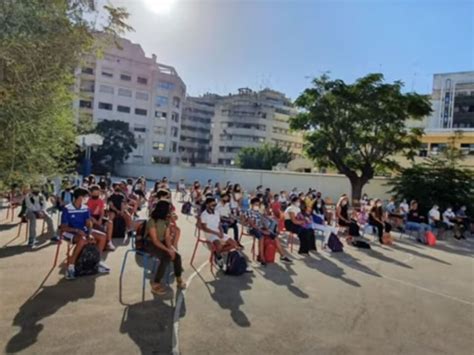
[[331, 185]]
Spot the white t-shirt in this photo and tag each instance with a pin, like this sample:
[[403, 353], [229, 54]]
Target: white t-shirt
[[447, 215], [294, 209], [223, 210], [404, 207], [434, 215], [211, 221]]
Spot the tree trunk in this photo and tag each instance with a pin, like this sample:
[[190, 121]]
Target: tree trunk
[[356, 187]]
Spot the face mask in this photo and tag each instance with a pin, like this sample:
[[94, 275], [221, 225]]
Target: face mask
[[318, 205], [450, 209], [95, 197], [463, 208], [297, 204], [344, 203], [379, 204], [256, 208], [118, 190], [36, 193]]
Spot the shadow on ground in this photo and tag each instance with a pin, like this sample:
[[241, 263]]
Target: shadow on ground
[[282, 277], [329, 268]]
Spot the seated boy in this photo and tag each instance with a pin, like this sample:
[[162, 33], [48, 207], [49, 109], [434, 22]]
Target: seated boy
[[76, 226]]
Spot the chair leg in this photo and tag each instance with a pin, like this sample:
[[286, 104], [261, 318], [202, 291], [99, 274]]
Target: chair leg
[[253, 248], [145, 267], [194, 252], [57, 253]]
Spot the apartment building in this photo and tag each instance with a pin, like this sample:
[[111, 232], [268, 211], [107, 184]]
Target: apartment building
[[124, 84], [250, 119], [195, 140]]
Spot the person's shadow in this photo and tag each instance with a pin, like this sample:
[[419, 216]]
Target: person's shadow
[[43, 304], [278, 275], [227, 293], [150, 325], [330, 269]]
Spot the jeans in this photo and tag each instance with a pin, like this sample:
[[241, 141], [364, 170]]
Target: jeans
[[32, 217], [165, 259], [419, 227], [233, 225]]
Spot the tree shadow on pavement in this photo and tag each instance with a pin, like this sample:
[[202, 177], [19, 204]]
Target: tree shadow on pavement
[[418, 254], [460, 247], [281, 277], [7, 251], [227, 293], [380, 256], [45, 303], [149, 324], [329, 268]]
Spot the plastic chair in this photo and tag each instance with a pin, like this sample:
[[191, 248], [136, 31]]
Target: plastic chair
[[69, 247], [243, 233], [210, 246], [290, 236], [24, 220]]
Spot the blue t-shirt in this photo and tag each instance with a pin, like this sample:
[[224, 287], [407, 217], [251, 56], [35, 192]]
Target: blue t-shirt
[[76, 217]]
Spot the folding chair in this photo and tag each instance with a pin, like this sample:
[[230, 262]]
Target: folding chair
[[210, 246]]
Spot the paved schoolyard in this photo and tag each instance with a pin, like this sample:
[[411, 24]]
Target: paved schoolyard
[[408, 299]]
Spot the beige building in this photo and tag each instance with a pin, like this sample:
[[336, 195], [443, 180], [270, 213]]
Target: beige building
[[124, 84], [250, 119]]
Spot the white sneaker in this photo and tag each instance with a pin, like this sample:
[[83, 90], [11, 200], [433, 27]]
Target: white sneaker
[[104, 267], [110, 246]]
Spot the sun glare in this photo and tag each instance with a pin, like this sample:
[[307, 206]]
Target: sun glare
[[160, 6]]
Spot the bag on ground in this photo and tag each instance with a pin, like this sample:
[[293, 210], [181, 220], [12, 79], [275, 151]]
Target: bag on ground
[[361, 244], [335, 244], [387, 239], [430, 239], [236, 264], [88, 261], [186, 208], [269, 247]]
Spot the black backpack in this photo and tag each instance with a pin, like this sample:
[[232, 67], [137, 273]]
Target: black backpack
[[88, 261], [236, 264], [335, 244], [186, 208]]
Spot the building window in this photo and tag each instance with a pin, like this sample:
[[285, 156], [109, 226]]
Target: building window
[[139, 129], [124, 92], [139, 95], [161, 115], [176, 102], [158, 146], [175, 117], [142, 80], [105, 106], [161, 101], [87, 70], [141, 112], [85, 104], [174, 131], [125, 77], [160, 160], [107, 73], [124, 109], [106, 89], [174, 147], [161, 131], [166, 85]]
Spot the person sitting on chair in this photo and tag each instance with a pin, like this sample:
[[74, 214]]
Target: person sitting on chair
[[210, 223], [451, 222], [376, 219], [36, 205], [76, 227], [228, 220], [295, 224], [416, 222], [158, 242], [97, 210]]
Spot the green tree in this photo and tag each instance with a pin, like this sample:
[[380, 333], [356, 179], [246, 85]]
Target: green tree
[[436, 181], [41, 44], [357, 128], [264, 157], [118, 143]]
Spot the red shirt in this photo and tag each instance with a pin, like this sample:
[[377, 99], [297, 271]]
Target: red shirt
[[96, 207], [276, 209]]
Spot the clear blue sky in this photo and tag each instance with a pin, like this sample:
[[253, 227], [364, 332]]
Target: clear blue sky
[[221, 45]]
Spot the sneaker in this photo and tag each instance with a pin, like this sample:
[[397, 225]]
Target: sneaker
[[70, 274], [261, 261], [220, 262], [103, 270], [54, 239], [33, 245], [110, 246], [286, 259], [103, 266]]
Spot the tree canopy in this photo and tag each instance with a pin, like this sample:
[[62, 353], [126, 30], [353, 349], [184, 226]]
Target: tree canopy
[[118, 143], [357, 128], [264, 157], [41, 44]]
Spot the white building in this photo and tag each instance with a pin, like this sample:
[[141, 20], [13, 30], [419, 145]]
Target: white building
[[126, 85], [250, 119]]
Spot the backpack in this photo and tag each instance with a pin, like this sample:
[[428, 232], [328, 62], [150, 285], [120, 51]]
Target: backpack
[[186, 208], [387, 239], [236, 264], [361, 244], [430, 239], [88, 261], [270, 248], [335, 244]]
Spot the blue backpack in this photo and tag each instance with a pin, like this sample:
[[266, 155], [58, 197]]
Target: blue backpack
[[236, 264], [335, 244]]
